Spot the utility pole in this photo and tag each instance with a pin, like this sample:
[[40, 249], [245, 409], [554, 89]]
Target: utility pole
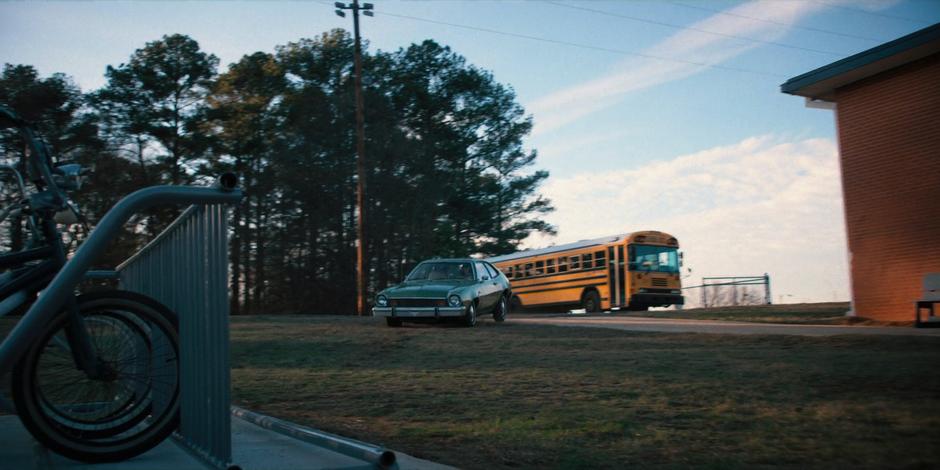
[[360, 153]]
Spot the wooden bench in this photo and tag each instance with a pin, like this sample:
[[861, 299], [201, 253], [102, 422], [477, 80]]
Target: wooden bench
[[930, 298]]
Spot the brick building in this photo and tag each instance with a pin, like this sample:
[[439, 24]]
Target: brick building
[[887, 108]]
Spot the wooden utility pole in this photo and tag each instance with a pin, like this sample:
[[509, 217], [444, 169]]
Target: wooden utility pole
[[361, 268]]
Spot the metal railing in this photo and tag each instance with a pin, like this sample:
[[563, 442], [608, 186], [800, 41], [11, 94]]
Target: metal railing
[[186, 269]]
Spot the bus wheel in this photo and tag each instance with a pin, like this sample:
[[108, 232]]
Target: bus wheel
[[515, 305], [591, 301]]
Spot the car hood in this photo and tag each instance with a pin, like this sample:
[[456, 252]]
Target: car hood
[[425, 289]]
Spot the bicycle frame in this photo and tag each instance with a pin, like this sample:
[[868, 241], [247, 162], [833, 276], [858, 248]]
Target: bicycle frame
[[60, 290]]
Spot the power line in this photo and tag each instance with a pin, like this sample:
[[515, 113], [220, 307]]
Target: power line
[[866, 12], [781, 23], [691, 28], [581, 46]]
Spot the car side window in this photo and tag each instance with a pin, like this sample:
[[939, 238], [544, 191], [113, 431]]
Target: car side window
[[481, 270], [490, 269]]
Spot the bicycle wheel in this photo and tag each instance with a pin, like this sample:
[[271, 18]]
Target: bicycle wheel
[[128, 410]]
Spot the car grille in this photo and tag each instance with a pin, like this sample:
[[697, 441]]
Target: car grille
[[418, 302], [659, 282]]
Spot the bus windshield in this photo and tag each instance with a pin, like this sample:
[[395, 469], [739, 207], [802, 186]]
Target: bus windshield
[[435, 271], [662, 259]]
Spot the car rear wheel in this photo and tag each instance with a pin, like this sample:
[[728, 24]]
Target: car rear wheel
[[499, 314], [470, 318], [392, 322]]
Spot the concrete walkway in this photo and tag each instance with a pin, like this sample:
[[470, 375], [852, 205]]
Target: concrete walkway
[[253, 448], [670, 325]]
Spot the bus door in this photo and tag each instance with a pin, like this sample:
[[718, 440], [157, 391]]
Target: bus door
[[612, 276], [616, 276], [621, 277]]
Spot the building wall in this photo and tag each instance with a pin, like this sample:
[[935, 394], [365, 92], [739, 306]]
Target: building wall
[[889, 138]]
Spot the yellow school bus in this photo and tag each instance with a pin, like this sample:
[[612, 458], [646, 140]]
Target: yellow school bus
[[632, 271]]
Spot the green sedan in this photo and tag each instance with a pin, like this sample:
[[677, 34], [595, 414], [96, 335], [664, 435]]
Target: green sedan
[[446, 288]]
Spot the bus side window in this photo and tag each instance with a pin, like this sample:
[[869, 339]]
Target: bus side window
[[528, 270], [539, 268], [575, 262], [598, 259], [563, 264], [549, 266], [586, 261], [508, 272], [518, 271]]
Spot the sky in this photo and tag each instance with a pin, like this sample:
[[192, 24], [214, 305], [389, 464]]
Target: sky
[[649, 115]]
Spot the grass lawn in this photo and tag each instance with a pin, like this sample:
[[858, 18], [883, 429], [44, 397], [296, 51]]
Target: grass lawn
[[827, 313], [530, 396]]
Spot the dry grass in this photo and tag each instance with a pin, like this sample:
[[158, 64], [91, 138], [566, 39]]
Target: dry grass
[[526, 396]]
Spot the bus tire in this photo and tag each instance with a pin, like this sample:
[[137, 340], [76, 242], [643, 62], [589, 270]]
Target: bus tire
[[591, 301]]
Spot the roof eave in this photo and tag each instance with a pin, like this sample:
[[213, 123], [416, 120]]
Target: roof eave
[[822, 83]]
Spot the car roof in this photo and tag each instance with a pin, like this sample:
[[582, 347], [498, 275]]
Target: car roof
[[451, 260]]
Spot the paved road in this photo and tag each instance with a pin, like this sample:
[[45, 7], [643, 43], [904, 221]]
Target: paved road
[[719, 327]]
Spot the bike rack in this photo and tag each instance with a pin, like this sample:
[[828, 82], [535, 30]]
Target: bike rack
[[185, 268]]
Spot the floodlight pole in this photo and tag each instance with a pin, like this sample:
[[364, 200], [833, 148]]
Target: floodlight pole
[[360, 154]]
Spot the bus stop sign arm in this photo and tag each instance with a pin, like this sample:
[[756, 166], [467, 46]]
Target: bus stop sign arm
[[63, 285]]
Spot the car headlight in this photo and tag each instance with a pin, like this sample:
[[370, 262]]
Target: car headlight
[[642, 291], [676, 291], [381, 301], [454, 300]]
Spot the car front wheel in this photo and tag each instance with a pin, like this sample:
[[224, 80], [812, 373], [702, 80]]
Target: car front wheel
[[470, 317], [499, 314]]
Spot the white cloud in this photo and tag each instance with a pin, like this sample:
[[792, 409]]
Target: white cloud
[[570, 104], [760, 205]]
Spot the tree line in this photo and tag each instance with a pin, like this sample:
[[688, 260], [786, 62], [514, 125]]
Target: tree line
[[447, 171]]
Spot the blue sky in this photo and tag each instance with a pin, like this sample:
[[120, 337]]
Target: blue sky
[[635, 134]]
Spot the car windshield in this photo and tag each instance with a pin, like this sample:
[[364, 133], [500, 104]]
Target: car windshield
[[433, 271]]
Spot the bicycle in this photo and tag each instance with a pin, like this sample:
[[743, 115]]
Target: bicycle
[[95, 377]]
